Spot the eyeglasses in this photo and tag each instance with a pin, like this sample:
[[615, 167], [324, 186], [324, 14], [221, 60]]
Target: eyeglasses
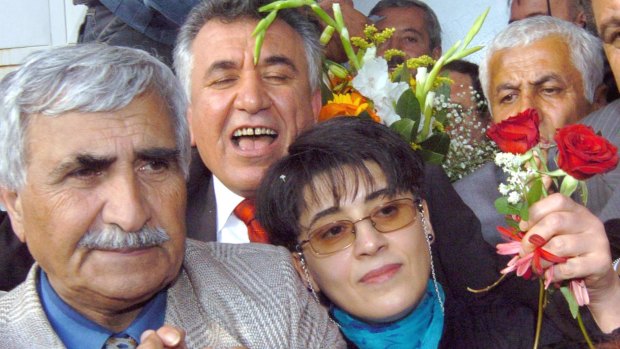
[[339, 235]]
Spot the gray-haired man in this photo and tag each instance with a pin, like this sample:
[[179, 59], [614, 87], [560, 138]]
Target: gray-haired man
[[94, 184]]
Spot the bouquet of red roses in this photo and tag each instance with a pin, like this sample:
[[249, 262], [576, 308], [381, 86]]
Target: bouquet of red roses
[[581, 155]]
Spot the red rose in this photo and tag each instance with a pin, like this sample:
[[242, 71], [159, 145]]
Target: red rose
[[518, 133], [583, 154]]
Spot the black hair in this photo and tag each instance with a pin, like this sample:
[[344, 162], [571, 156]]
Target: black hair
[[333, 150]]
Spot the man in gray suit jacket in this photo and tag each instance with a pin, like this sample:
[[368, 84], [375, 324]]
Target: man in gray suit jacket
[[556, 68], [97, 151]]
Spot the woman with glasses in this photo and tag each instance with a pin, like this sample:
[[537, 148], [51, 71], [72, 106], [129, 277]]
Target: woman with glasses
[[347, 203]]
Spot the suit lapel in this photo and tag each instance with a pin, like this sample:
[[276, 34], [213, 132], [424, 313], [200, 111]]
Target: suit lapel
[[201, 210]]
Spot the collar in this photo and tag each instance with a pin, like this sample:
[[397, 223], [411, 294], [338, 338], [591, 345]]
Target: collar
[[420, 329], [76, 331], [229, 227]]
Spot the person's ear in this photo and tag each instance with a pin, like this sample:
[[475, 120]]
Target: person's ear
[[581, 20], [428, 229], [600, 97], [13, 205], [436, 53], [189, 124], [316, 104], [302, 270]]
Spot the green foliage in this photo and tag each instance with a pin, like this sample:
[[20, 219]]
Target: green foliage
[[570, 299]]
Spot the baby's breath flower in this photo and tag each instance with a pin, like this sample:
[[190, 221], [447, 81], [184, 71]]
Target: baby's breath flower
[[504, 189], [514, 197]]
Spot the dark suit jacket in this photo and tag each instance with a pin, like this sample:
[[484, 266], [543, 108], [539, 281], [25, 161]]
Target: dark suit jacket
[[15, 260]]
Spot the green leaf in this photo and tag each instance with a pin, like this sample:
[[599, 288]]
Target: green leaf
[[584, 192], [438, 143], [535, 191], [556, 173], [326, 93], [408, 106], [431, 157], [504, 207], [570, 299], [525, 211], [514, 224], [401, 74], [404, 127], [569, 185]]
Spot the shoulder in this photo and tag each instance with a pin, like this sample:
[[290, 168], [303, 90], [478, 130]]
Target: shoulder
[[605, 120], [23, 322], [239, 263], [482, 174]]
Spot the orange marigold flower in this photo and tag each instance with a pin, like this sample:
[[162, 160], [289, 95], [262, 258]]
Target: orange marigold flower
[[350, 104]]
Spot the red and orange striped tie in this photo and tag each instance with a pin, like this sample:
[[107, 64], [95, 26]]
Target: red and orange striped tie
[[246, 211]]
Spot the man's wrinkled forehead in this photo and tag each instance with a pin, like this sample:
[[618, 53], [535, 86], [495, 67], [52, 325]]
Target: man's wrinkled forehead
[[282, 44]]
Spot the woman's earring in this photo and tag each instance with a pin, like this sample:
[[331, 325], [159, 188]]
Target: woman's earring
[[307, 274], [429, 238]]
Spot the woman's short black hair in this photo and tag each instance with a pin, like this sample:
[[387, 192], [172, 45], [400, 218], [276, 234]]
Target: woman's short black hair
[[335, 149]]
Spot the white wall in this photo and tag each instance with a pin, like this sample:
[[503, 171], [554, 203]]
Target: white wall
[[30, 25], [457, 16]]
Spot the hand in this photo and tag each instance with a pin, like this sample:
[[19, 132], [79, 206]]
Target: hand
[[353, 19], [572, 231], [165, 337]]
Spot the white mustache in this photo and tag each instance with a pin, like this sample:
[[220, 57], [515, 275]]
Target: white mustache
[[113, 237]]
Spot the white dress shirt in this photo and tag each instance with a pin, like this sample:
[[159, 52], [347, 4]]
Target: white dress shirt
[[230, 229]]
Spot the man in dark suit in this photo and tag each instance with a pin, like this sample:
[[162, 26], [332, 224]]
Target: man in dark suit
[[243, 117]]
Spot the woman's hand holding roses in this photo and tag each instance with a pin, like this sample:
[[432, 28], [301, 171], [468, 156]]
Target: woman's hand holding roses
[[572, 231]]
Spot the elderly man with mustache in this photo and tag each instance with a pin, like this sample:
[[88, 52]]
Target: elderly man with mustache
[[98, 151]]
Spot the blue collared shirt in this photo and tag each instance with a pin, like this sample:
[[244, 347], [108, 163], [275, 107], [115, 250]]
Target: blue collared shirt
[[78, 332]]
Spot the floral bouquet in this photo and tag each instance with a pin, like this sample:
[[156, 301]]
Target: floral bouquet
[[411, 105], [581, 155], [469, 146]]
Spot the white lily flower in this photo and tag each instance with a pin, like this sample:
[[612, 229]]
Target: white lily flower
[[373, 81]]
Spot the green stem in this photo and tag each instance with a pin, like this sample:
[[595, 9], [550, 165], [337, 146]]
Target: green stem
[[428, 113], [584, 332], [541, 302], [342, 31]]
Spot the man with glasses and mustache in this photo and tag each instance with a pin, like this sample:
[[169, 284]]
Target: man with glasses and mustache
[[93, 180]]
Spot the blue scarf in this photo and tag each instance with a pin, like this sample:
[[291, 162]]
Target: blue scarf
[[422, 328]]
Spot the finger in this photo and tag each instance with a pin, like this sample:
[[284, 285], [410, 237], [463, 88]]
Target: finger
[[171, 336], [150, 340], [555, 215], [591, 267]]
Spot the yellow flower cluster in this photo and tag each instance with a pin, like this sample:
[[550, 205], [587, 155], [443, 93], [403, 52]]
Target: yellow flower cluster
[[360, 42], [372, 37], [422, 61], [392, 53]]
